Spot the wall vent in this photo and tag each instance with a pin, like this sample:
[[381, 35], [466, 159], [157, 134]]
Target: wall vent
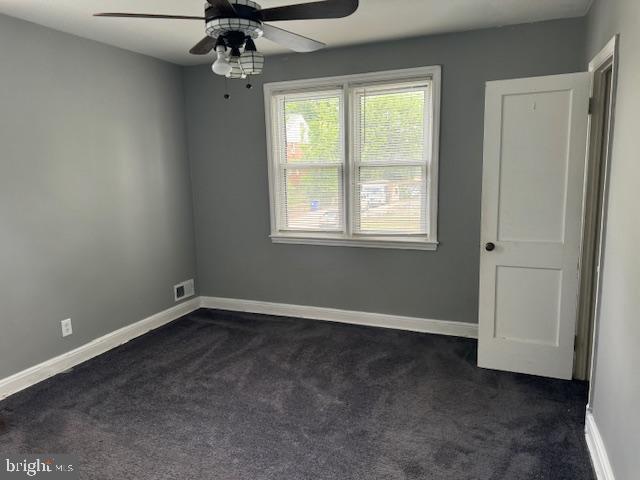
[[184, 290]]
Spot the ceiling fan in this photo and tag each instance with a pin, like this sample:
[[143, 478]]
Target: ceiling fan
[[233, 25]]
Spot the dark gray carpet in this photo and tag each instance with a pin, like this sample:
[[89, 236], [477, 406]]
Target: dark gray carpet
[[227, 396]]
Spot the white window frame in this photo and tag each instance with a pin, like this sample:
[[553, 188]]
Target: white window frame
[[346, 83]]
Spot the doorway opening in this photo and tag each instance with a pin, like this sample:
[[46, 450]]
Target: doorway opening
[[604, 69]]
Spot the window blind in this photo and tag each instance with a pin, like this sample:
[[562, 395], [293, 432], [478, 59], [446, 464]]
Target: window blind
[[390, 158], [310, 161]]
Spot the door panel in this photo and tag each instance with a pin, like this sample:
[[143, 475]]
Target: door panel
[[527, 304], [534, 157], [533, 161]]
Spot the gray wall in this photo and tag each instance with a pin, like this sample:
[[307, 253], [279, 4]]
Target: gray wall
[[616, 387], [95, 204], [227, 151]]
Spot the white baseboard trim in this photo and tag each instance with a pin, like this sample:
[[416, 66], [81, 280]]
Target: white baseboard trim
[[42, 371], [414, 324], [597, 450]]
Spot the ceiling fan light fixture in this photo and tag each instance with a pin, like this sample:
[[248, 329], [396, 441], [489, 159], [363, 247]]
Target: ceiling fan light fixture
[[221, 26], [221, 66], [252, 62]]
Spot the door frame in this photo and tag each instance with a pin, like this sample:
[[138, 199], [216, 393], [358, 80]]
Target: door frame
[[595, 206]]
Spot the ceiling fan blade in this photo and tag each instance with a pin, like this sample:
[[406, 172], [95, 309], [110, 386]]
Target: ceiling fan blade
[[291, 40], [204, 46], [310, 11], [144, 15], [223, 8]]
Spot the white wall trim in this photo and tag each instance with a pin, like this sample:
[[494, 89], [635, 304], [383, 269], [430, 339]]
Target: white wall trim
[[42, 371], [342, 241], [414, 324], [597, 450], [609, 51]]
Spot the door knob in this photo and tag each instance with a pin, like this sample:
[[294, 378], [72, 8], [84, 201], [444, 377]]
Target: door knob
[[490, 247]]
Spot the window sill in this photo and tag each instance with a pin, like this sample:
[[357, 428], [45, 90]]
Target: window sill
[[406, 243]]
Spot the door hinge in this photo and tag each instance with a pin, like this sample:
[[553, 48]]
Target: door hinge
[[592, 105], [575, 343]]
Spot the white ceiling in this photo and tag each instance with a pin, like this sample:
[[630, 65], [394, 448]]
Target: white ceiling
[[375, 20]]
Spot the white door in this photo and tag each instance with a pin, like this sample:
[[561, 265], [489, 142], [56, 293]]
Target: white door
[[532, 189]]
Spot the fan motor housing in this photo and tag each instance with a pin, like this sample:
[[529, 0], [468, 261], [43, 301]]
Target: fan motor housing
[[247, 21]]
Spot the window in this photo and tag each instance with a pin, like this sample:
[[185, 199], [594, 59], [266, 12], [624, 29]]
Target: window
[[353, 159]]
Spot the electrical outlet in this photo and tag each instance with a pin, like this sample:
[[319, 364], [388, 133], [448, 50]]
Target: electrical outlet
[[66, 327], [184, 290]]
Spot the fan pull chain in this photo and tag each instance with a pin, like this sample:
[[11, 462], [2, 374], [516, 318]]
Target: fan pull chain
[[226, 89]]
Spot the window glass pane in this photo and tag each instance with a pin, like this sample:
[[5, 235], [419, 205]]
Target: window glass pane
[[390, 158], [311, 157], [392, 126], [391, 200], [313, 129], [312, 198]]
